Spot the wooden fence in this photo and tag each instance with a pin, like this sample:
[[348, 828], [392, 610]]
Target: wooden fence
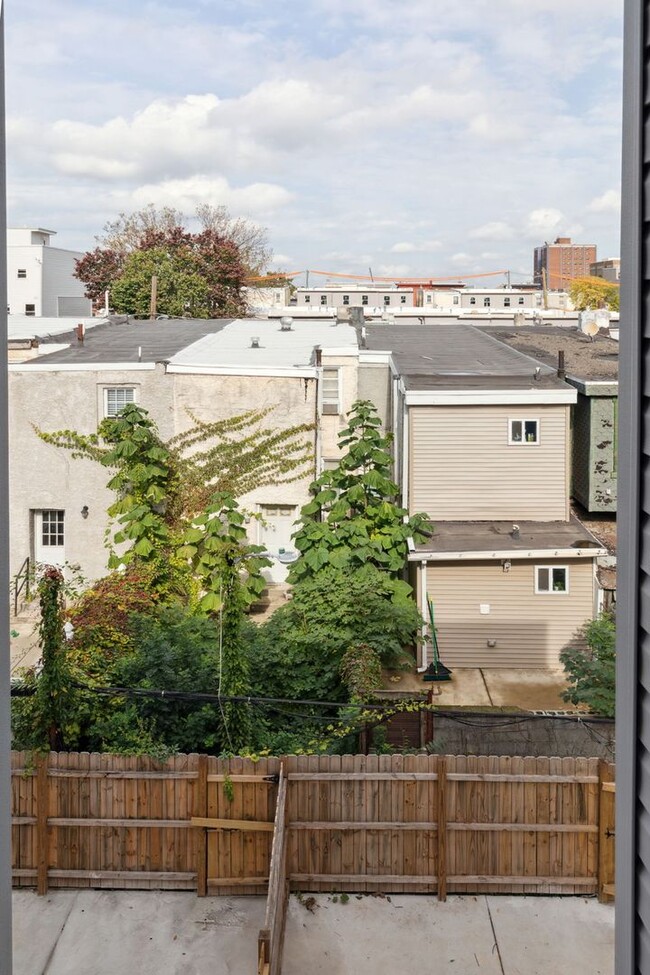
[[271, 938], [420, 823]]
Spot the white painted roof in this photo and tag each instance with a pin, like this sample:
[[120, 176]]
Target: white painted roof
[[31, 327], [232, 346]]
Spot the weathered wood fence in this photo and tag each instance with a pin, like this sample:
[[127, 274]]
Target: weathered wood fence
[[271, 938], [420, 823]]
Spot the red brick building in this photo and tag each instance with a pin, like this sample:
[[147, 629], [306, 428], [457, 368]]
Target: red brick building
[[563, 261]]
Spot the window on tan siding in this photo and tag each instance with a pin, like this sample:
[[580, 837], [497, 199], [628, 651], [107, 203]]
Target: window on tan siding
[[523, 432], [331, 391], [551, 580]]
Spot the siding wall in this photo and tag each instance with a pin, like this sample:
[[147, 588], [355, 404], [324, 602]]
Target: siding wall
[[462, 467], [530, 630]]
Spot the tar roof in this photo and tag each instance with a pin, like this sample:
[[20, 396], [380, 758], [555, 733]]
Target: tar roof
[[498, 536], [21, 327], [584, 358], [452, 355], [123, 340]]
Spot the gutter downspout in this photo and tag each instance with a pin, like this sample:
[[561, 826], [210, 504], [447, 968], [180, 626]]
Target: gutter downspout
[[318, 439], [425, 622], [405, 457]]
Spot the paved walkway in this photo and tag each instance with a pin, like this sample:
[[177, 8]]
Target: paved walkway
[[94, 932]]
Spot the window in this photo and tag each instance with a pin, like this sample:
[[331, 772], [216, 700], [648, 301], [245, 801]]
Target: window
[[52, 527], [524, 432], [307, 299], [551, 579], [22, 272], [520, 300], [486, 302], [364, 299], [331, 391], [346, 299], [456, 299], [472, 300], [30, 309], [429, 298], [402, 299], [116, 398], [506, 302], [323, 299], [387, 299]]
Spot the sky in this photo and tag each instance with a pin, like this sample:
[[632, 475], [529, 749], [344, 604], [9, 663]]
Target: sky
[[413, 137]]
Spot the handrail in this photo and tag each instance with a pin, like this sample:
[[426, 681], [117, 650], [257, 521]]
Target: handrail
[[21, 576]]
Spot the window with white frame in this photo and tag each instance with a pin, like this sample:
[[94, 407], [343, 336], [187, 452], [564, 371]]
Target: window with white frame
[[524, 432], [331, 391], [323, 299], [402, 299], [22, 272], [387, 299], [486, 302], [506, 302], [52, 522], [116, 398], [364, 299], [520, 300], [551, 580], [472, 300], [456, 299], [346, 299]]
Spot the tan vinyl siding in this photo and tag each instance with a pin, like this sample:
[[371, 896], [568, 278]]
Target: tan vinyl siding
[[463, 468], [530, 630]]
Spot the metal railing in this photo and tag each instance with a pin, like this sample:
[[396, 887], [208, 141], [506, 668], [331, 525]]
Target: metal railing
[[21, 581]]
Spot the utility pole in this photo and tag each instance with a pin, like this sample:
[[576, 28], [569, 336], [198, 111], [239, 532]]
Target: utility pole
[[154, 296], [306, 279], [5, 685], [508, 278]]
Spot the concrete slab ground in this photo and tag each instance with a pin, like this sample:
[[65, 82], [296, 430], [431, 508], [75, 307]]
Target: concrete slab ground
[[95, 932], [536, 690]]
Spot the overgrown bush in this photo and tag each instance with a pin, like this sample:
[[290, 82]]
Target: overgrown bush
[[591, 672]]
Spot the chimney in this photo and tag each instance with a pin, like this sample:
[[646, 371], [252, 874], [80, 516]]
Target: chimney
[[561, 374], [81, 330]]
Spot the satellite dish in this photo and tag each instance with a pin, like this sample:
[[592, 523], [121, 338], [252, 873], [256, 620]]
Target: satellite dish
[[591, 328]]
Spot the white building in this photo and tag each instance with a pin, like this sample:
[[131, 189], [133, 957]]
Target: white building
[[40, 278]]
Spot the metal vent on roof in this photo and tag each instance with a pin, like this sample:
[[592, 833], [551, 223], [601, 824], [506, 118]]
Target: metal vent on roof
[[286, 323], [255, 342]]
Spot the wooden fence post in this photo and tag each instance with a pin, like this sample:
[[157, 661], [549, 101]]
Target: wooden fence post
[[42, 834], [429, 718], [202, 837], [442, 828], [606, 832]]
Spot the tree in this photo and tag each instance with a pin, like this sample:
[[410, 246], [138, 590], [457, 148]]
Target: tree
[[181, 288], [222, 253], [591, 672], [353, 518], [592, 292]]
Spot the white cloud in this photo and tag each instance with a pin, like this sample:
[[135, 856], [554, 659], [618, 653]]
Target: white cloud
[[257, 199], [408, 247], [393, 270], [608, 202], [494, 230], [543, 221]]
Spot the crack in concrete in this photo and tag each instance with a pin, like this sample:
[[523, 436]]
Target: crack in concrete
[[494, 935], [56, 940], [487, 689]]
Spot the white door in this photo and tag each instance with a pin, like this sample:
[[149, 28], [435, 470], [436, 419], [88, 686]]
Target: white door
[[49, 537], [276, 529]]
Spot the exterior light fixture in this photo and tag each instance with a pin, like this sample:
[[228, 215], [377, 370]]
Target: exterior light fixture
[[84, 511]]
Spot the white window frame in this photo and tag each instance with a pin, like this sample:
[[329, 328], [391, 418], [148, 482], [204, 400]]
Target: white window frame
[[22, 272], [487, 301], [386, 301], [472, 300], [364, 299], [551, 570], [52, 527], [346, 299], [506, 302], [106, 390], [524, 420], [329, 404], [323, 299]]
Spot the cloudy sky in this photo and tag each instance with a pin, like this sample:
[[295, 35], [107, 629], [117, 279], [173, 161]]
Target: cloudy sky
[[421, 137]]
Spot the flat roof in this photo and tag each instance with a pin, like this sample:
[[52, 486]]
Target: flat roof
[[233, 346], [118, 340], [493, 537], [584, 358], [455, 355], [33, 327]]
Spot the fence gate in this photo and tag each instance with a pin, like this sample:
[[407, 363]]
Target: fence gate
[[607, 832]]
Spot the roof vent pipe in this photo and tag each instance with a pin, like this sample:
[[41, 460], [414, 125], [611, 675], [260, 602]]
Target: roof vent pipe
[[561, 374], [81, 330], [285, 324], [255, 342]]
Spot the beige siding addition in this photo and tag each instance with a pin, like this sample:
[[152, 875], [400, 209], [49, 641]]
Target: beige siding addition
[[462, 466], [476, 603]]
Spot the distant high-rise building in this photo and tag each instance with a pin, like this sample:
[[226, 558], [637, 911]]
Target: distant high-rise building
[[563, 261]]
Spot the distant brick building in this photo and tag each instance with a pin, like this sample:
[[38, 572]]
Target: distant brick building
[[563, 261]]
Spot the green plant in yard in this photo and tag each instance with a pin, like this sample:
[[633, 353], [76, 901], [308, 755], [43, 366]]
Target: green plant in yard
[[353, 519], [591, 671]]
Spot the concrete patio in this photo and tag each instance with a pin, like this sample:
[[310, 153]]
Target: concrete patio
[[95, 932]]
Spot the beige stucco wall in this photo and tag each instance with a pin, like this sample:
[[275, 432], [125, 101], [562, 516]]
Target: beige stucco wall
[[42, 476], [332, 424], [463, 468], [530, 629]]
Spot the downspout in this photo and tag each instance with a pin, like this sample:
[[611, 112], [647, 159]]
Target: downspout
[[395, 431], [405, 457], [318, 409], [425, 621]]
